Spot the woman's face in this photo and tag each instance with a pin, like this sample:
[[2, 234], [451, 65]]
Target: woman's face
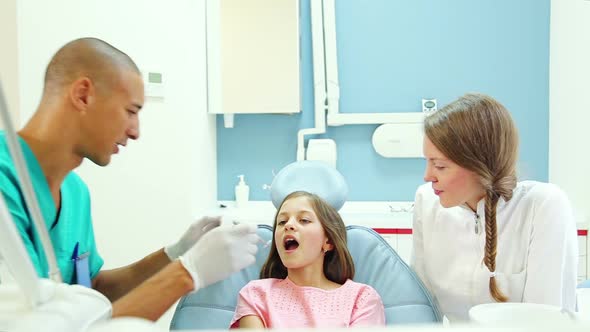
[[299, 235], [453, 184]]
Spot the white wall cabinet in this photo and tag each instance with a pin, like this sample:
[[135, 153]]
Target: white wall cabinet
[[401, 243], [583, 257], [253, 56]]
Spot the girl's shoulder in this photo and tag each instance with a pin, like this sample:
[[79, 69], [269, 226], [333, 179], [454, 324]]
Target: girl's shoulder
[[359, 288], [262, 284]]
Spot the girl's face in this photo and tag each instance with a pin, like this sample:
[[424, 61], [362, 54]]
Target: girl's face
[[453, 184], [300, 236]]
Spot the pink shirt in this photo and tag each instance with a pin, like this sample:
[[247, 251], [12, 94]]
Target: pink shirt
[[280, 303]]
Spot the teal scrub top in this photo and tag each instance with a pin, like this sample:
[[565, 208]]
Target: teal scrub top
[[69, 226]]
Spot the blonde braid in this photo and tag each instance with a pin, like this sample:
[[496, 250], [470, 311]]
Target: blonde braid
[[492, 242]]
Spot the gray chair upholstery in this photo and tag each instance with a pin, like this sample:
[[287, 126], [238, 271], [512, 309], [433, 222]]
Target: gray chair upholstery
[[213, 307], [405, 298]]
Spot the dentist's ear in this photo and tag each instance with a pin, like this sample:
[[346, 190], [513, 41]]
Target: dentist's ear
[[81, 93]]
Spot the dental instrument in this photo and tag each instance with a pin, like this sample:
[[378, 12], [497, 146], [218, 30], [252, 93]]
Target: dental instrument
[[265, 244]]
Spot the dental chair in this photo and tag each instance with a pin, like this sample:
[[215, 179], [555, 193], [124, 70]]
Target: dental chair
[[405, 298]]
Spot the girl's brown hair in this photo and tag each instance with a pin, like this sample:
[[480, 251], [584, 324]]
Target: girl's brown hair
[[338, 264], [477, 133]]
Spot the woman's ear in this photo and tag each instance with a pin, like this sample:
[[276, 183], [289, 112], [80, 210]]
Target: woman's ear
[[327, 246]]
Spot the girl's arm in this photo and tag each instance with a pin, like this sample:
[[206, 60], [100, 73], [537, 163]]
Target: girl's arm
[[368, 310], [250, 322], [250, 308]]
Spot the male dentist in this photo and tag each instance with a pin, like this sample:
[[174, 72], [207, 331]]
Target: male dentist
[[92, 97]]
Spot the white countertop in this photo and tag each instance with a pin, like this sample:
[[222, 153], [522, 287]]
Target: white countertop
[[370, 214]]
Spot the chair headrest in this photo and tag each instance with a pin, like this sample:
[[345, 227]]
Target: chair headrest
[[315, 177]]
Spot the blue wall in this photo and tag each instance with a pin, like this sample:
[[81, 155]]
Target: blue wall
[[391, 54]]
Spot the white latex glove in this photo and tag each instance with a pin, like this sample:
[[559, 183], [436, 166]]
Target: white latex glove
[[191, 236], [221, 252]]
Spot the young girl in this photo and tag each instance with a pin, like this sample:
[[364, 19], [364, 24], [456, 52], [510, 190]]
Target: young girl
[[479, 235], [306, 279]]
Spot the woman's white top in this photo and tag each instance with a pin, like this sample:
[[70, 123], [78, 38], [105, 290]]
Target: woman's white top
[[537, 250]]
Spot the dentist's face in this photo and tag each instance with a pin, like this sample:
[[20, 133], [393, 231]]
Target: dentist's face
[[453, 184], [300, 236], [112, 118]]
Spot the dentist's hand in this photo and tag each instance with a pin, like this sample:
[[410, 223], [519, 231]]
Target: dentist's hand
[[191, 236], [221, 252]]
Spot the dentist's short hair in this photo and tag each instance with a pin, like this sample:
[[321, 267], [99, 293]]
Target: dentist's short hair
[[86, 57]]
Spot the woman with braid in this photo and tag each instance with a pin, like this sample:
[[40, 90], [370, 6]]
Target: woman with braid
[[479, 235]]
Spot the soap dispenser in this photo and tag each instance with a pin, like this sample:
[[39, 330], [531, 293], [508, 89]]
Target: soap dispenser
[[242, 192]]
